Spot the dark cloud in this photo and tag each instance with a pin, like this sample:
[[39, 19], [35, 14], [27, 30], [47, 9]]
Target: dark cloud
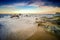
[[7, 2], [55, 3]]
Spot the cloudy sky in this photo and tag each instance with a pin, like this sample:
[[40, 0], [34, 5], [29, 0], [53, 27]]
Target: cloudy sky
[[29, 6]]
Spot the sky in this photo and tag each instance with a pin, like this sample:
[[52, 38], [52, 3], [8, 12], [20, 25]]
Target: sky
[[29, 6]]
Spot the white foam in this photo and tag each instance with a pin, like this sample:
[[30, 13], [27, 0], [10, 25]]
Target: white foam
[[22, 28]]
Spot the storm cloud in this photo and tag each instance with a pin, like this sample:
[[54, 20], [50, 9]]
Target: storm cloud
[[54, 3]]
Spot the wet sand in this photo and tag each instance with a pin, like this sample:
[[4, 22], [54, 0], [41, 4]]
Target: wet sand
[[41, 34]]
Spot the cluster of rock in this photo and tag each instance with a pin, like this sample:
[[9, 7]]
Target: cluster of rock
[[48, 25], [15, 15]]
